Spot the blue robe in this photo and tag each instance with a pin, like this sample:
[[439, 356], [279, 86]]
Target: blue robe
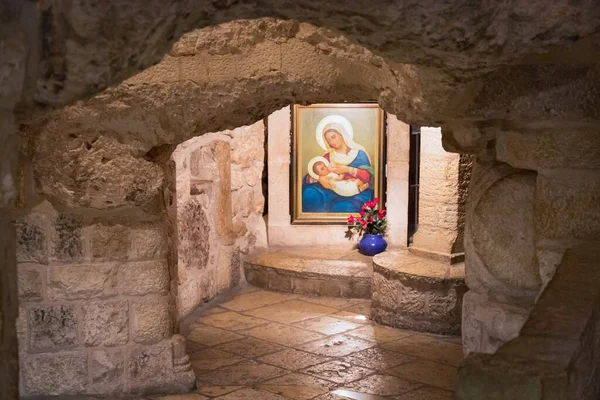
[[315, 198]]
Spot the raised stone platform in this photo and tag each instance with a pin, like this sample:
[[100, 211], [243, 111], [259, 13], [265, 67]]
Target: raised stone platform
[[416, 293], [317, 271]]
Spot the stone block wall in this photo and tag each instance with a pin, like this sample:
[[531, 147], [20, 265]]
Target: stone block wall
[[93, 303], [443, 188], [217, 213]]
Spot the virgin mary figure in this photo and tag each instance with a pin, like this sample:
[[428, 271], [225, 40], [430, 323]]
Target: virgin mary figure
[[346, 158]]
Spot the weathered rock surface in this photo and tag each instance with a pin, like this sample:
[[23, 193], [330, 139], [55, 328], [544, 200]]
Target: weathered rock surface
[[151, 319], [52, 327], [106, 372], [105, 323], [67, 239], [55, 374], [32, 234], [82, 281], [30, 284]]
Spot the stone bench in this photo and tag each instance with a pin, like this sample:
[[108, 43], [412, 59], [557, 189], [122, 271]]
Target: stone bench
[[311, 271], [415, 293]]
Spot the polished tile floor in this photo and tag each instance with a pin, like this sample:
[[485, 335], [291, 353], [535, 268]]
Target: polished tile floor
[[277, 346]]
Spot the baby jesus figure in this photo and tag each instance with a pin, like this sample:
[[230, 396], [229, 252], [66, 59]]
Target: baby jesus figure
[[319, 166]]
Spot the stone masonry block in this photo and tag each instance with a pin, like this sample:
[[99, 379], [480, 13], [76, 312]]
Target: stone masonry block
[[105, 323], [148, 242], [106, 371], [52, 327], [566, 205], [82, 281], [29, 283], [151, 319], [54, 374], [137, 278], [31, 238], [385, 292], [67, 238], [22, 330], [110, 241], [149, 366]]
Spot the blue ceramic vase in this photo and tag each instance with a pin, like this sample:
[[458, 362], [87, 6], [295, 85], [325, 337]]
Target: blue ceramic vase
[[371, 245]]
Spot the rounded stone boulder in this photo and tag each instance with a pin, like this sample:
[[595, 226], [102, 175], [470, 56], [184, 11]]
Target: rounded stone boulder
[[418, 294]]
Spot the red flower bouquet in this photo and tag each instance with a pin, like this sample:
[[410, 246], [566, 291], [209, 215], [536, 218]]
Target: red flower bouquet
[[372, 221]]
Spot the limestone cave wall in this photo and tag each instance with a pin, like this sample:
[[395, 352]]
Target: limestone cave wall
[[217, 213]]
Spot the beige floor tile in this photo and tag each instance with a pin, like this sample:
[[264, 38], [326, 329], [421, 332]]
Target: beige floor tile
[[297, 386], [383, 385], [212, 310], [338, 371], [210, 336], [250, 347], [283, 334], [453, 339], [291, 311], [330, 396], [334, 302], [256, 299], [231, 320], [192, 347], [251, 394], [353, 317], [244, 373], [336, 346], [434, 374], [327, 325], [295, 392], [379, 334], [299, 379], [429, 348], [427, 393], [293, 359], [362, 308], [214, 391], [377, 359], [247, 288], [188, 396], [210, 359]]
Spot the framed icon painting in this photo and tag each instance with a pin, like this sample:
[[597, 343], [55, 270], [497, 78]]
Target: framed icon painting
[[337, 161]]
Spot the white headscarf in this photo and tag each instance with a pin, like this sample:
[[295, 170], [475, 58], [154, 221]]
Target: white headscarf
[[344, 127]]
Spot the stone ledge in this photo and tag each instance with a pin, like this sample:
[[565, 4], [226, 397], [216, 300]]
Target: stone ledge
[[317, 271], [453, 258], [416, 293]]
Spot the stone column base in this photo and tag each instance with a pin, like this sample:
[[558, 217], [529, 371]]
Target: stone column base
[[416, 293]]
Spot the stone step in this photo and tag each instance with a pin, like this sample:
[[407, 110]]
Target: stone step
[[315, 271]]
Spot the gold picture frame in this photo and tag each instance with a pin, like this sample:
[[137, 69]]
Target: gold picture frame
[[340, 146]]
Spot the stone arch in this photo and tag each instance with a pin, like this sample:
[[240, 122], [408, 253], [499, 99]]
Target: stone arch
[[206, 84]]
